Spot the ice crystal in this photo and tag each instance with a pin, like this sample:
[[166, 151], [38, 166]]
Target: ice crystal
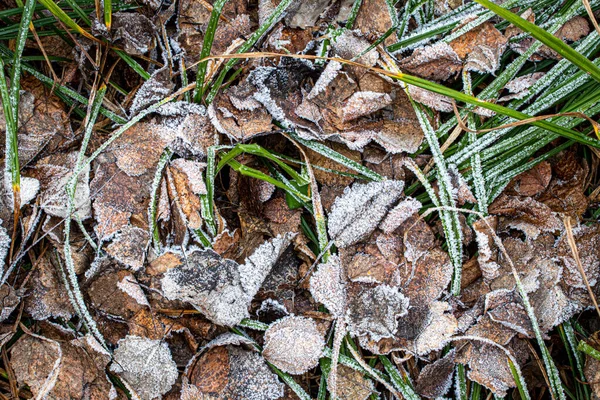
[[327, 286]]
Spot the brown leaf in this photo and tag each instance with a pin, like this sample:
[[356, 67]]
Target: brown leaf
[[352, 385], [128, 247], [45, 298], [532, 182], [436, 379], [437, 62]]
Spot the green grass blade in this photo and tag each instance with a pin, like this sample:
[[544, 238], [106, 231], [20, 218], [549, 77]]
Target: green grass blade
[[64, 18], [543, 36], [107, 13], [459, 96], [209, 37]]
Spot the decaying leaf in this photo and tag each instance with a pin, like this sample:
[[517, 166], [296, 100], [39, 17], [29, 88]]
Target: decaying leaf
[[356, 213], [327, 286], [129, 246], [437, 62], [374, 310], [436, 379], [54, 173], [293, 344], [220, 288], [352, 385], [133, 31], [147, 365], [519, 88], [46, 298], [227, 371]]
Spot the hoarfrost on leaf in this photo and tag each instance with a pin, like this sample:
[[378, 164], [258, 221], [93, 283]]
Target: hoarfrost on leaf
[[374, 311], [221, 288], [403, 211], [293, 344], [357, 212], [147, 365], [327, 286]]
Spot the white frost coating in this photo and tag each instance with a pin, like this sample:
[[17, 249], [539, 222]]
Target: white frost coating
[[256, 267], [358, 211], [489, 268], [374, 312], [29, 189], [193, 171], [293, 344], [133, 290], [153, 90], [255, 380], [4, 243], [146, 365], [440, 328], [364, 103], [263, 94], [349, 44], [403, 211], [328, 288], [228, 338], [220, 288], [327, 76]]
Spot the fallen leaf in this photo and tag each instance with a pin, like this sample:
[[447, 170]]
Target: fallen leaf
[[293, 344], [438, 62], [146, 365], [220, 288], [435, 379], [356, 213], [328, 287]]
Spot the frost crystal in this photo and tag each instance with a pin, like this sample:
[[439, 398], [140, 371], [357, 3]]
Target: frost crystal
[[293, 344], [358, 211], [374, 311], [327, 286], [129, 286], [221, 288], [4, 243], [254, 380], [403, 211], [146, 365]]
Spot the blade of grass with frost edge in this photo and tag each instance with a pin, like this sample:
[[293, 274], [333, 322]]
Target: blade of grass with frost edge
[[397, 380], [10, 103], [589, 350], [353, 13], [209, 37], [248, 44], [548, 39], [71, 189], [572, 355]]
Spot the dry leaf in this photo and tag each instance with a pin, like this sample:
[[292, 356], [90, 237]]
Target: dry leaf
[[374, 310], [356, 213], [437, 62], [436, 379], [220, 288], [327, 286], [293, 344], [351, 384], [146, 365]]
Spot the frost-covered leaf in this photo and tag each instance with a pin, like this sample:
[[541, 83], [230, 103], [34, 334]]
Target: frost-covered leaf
[[352, 385], [54, 173], [10, 300], [356, 213], [230, 372], [374, 310], [397, 215], [364, 103], [519, 88], [147, 365], [437, 62], [4, 243], [46, 297], [129, 246], [131, 30], [440, 325], [293, 344], [430, 99], [154, 89], [327, 286], [436, 379], [221, 288], [527, 215]]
